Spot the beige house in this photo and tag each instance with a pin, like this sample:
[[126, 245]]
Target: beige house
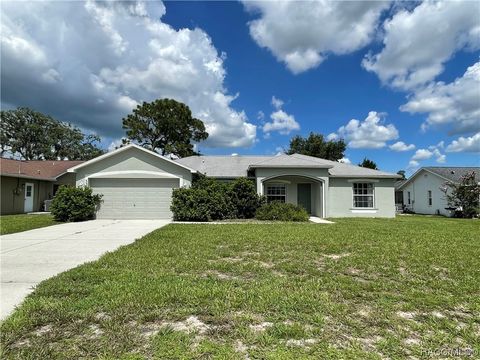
[[25, 185]]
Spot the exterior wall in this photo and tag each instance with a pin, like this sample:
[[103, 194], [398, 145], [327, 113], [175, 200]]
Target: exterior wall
[[12, 203], [340, 198], [317, 177], [419, 187], [66, 179], [133, 159]]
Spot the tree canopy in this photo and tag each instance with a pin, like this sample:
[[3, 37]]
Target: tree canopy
[[31, 135], [316, 145], [464, 196], [402, 174], [166, 126], [367, 163]]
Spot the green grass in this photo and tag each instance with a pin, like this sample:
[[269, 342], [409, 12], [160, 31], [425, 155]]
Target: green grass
[[357, 289], [10, 224]]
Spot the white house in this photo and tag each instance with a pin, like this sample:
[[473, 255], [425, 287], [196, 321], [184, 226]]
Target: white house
[[423, 192], [137, 183]]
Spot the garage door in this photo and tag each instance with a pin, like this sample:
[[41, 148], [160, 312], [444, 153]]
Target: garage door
[[134, 198]]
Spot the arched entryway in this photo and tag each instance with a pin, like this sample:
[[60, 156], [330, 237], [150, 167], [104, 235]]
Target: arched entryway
[[305, 191]]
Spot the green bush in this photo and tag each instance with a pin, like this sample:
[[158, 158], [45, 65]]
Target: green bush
[[190, 204], [245, 199], [277, 211], [74, 204], [209, 199]]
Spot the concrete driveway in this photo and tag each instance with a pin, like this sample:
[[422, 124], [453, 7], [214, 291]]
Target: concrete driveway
[[35, 255]]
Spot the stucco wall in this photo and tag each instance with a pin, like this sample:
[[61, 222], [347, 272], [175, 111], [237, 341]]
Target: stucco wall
[[419, 187], [12, 203], [340, 199], [313, 176], [133, 159]]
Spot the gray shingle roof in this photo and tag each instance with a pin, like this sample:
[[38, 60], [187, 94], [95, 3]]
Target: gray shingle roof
[[454, 173], [236, 166]]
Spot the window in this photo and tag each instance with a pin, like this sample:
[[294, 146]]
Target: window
[[429, 197], [276, 192], [29, 191], [409, 198], [363, 195]]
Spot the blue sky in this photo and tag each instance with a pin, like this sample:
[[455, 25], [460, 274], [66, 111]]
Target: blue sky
[[299, 53]]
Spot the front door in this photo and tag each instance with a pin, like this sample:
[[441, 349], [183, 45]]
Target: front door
[[28, 206], [304, 196]]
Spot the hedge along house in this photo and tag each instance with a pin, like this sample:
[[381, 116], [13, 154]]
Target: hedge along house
[[324, 188], [135, 183], [25, 185]]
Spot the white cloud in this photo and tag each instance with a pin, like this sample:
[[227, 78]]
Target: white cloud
[[422, 154], [282, 122], [465, 144], [413, 164], [332, 136], [302, 33], [418, 42], [90, 62], [367, 134], [432, 151], [344, 160], [455, 104], [401, 146], [441, 159], [277, 103]]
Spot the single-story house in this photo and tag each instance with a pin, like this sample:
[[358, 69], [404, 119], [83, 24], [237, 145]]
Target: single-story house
[[424, 191], [137, 183], [25, 185]]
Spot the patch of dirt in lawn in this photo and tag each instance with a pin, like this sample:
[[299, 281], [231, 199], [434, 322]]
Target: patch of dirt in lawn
[[190, 325], [219, 275], [232, 259], [357, 275], [336, 256], [266, 264], [407, 315], [260, 327], [43, 330], [301, 342], [96, 331]]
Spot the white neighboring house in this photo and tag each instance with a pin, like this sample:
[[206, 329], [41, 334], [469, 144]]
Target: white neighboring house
[[423, 191]]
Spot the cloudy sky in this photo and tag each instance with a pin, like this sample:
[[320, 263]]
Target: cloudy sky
[[400, 82]]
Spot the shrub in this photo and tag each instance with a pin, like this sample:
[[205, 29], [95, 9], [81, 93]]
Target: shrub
[[209, 199], [245, 199], [277, 211], [74, 204], [190, 205]]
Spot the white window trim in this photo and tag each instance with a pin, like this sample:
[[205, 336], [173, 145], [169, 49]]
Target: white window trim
[[373, 196], [276, 184]]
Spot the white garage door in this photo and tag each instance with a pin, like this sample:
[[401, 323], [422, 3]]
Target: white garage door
[[134, 198]]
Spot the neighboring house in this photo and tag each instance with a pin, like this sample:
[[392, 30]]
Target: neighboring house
[[25, 185], [137, 183], [423, 192]]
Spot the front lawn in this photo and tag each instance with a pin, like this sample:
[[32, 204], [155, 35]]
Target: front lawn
[[356, 289], [10, 224]]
